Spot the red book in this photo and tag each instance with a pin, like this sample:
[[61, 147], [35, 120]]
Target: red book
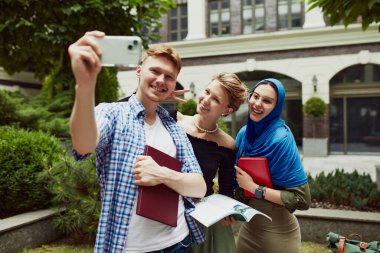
[[159, 202], [258, 169]]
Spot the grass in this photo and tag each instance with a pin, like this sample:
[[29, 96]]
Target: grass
[[311, 247], [307, 247], [60, 249]]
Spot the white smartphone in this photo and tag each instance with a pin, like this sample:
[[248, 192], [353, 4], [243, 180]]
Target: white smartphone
[[123, 51]]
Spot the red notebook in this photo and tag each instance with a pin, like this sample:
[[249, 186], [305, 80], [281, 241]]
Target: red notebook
[[258, 169], [159, 203]]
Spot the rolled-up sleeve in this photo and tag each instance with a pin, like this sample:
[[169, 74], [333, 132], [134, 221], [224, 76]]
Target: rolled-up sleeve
[[296, 198]]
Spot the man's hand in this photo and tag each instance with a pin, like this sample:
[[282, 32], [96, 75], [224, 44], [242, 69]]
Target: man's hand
[[85, 61], [148, 173]]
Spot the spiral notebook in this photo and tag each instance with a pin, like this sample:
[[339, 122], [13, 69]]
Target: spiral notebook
[[258, 169]]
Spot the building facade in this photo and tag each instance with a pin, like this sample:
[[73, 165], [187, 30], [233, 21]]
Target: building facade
[[258, 39]]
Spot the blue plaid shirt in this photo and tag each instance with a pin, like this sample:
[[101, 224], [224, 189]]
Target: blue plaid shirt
[[121, 140]]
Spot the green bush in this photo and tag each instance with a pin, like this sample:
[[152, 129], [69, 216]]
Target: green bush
[[23, 155], [188, 108], [76, 189], [314, 107], [8, 108], [59, 127], [107, 86], [62, 104], [29, 116], [343, 188]]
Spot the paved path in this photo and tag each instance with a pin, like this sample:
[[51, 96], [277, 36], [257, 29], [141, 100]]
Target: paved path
[[363, 164]]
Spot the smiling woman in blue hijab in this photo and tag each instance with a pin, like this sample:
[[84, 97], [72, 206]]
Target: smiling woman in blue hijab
[[267, 135]]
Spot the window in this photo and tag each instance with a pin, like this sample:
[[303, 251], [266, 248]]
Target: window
[[368, 73], [178, 23], [354, 110], [290, 14], [253, 16], [219, 16]]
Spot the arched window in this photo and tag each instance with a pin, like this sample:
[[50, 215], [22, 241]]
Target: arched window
[[354, 110]]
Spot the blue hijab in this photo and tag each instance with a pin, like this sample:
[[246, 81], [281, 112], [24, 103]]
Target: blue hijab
[[272, 138]]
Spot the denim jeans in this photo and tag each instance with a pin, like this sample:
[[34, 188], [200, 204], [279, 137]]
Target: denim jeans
[[183, 246]]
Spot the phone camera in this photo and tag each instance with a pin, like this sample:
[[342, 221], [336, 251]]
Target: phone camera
[[130, 47], [135, 42]]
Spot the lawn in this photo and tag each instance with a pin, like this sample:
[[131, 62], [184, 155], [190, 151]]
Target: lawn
[[307, 247]]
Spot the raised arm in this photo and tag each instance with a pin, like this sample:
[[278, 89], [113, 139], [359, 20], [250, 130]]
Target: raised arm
[[85, 63]]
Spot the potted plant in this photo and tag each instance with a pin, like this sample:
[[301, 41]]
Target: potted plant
[[315, 141]]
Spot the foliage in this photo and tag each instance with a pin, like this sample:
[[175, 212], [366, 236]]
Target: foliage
[[349, 11], [37, 113], [58, 127], [8, 107], [61, 249], [76, 189], [107, 86], [62, 104], [222, 125], [188, 108], [23, 155], [344, 188], [314, 107], [36, 38], [59, 89]]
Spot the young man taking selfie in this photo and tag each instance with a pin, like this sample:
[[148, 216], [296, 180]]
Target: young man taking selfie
[[118, 133]]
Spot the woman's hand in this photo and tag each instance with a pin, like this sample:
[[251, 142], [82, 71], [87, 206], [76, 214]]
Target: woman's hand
[[245, 181], [229, 220]]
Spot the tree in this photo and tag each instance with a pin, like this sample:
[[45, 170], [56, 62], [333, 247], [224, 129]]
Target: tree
[[35, 34], [349, 11]]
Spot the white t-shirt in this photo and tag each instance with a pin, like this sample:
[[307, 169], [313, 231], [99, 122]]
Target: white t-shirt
[[145, 234]]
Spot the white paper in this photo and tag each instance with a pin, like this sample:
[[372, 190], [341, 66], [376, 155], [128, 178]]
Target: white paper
[[215, 207]]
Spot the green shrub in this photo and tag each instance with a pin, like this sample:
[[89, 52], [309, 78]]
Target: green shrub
[[62, 104], [343, 188], [222, 125], [8, 108], [107, 86], [59, 79], [188, 108], [314, 107], [59, 127], [76, 189], [23, 155], [29, 116]]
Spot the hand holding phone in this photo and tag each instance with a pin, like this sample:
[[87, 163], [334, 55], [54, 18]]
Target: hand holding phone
[[124, 51]]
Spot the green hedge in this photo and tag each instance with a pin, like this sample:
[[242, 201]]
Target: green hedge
[[23, 155], [343, 188], [75, 188]]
